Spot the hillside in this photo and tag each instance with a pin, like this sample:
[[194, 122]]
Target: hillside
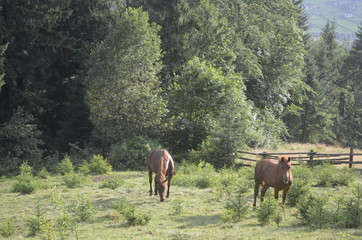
[[348, 15]]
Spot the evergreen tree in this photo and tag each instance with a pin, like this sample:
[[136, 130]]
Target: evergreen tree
[[122, 86], [349, 123], [320, 109]]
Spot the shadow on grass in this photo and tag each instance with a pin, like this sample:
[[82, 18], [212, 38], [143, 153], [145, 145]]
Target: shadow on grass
[[198, 220]]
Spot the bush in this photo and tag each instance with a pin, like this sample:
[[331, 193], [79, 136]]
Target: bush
[[317, 213], [328, 176], [131, 153], [65, 166], [113, 182], [202, 175], [84, 209], [99, 165], [299, 190], [43, 173], [133, 216], [236, 208], [269, 210], [7, 228], [72, 180], [26, 183], [352, 214]]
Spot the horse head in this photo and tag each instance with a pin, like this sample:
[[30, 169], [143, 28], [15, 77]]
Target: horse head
[[161, 190], [285, 166]]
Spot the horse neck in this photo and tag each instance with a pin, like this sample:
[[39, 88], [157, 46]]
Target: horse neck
[[161, 173]]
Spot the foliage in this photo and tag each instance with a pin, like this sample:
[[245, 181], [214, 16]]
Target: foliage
[[328, 175], [20, 141], [73, 180], [113, 182], [299, 190], [83, 209], [7, 228], [133, 216], [65, 166], [125, 101], [131, 153], [317, 214], [237, 208], [36, 222], [26, 183], [97, 165], [269, 210], [43, 173], [352, 214], [200, 175]]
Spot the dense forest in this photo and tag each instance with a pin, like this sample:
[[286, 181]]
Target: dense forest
[[201, 78]]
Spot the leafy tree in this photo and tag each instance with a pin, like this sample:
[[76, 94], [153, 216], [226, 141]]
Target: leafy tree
[[122, 86]]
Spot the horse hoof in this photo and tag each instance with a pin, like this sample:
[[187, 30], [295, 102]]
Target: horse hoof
[[162, 200]]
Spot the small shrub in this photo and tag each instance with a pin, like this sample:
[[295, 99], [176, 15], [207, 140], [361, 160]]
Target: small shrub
[[236, 208], [297, 191], [304, 204], [317, 213], [329, 176], [352, 214], [72, 180], [113, 182], [99, 165], [35, 223], [84, 209], [269, 210], [26, 183], [302, 173], [7, 228], [65, 166], [43, 173], [84, 168], [133, 216]]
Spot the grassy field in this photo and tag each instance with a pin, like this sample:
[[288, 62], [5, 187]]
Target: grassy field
[[196, 209]]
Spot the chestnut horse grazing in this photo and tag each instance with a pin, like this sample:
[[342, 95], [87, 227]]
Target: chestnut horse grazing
[[161, 163], [270, 174]]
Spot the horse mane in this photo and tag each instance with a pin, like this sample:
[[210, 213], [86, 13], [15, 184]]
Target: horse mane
[[161, 173]]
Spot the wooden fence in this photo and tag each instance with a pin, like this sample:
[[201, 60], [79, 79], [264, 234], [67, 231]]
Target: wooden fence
[[308, 157]]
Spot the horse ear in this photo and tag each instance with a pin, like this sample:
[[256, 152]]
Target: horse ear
[[289, 159]]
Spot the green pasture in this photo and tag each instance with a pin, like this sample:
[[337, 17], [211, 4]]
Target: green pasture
[[196, 209]]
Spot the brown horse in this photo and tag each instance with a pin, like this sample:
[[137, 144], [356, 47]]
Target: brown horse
[[270, 174], [161, 163]]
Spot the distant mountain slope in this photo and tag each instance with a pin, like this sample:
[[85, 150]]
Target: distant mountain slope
[[348, 15]]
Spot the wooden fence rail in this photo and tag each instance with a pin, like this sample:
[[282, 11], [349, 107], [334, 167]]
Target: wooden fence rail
[[309, 157]]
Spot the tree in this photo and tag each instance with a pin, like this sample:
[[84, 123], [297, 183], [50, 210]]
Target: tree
[[20, 141], [122, 86], [2, 50], [349, 122]]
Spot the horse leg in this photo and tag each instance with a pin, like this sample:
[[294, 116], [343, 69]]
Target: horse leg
[[256, 192], [276, 193], [285, 194], [155, 187], [263, 191], [168, 185], [150, 180]]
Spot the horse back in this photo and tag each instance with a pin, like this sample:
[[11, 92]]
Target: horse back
[[265, 171]]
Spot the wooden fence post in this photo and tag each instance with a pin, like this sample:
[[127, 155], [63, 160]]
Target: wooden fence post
[[311, 157], [350, 157]]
